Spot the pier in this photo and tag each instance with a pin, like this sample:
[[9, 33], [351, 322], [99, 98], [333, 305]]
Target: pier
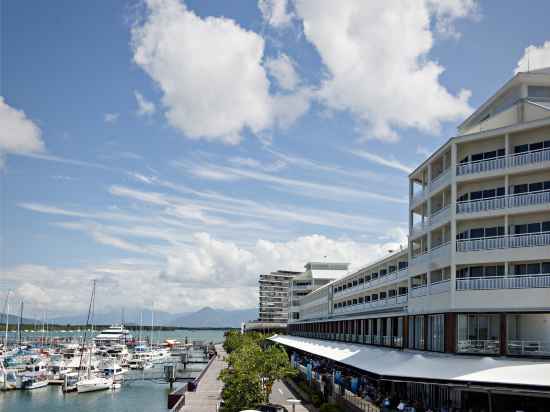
[[203, 394]]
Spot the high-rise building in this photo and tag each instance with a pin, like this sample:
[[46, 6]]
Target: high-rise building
[[274, 288]]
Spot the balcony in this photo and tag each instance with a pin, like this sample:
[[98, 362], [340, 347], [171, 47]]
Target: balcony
[[440, 181], [504, 282], [504, 242], [379, 281], [436, 219], [503, 202], [394, 301], [419, 291], [503, 162], [528, 348], [443, 286], [488, 346]]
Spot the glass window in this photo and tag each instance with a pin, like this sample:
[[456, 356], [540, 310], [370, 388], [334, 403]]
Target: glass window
[[404, 265], [520, 229], [490, 155], [490, 270], [375, 275], [491, 232], [533, 268], [375, 297], [500, 191], [536, 146], [392, 269], [520, 269], [533, 228], [478, 333], [545, 267], [476, 195], [489, 193], [547, 185], [520, 189], [382, 295], [463, 198], [361, 281], [546, 226], [354, 302], [361, 299], [383, 272], [535, 187], [367, 298], [476, 271], [476, 233], [501, 152], [476, 157], [354, 283], [436, 333], [521, 148]]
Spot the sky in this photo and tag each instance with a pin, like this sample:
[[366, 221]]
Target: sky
[[174, 150]]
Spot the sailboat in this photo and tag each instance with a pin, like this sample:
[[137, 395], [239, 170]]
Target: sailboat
[[92, 383]]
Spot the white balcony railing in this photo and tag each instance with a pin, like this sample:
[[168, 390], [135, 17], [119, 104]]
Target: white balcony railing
[[478, 346], [419, 291], [443, 286], [377, 304], [441, 180], [440, 216], [504, 242], [503, 162], [504, 282], [527, 347], [502, 202]]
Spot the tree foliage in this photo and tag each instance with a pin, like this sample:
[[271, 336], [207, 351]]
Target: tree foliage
[[252, 371]]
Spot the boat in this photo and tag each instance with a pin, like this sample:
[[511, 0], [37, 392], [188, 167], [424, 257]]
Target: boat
[[69, 382], [115, 371], [93, 384], [113, 335], [31, 380]]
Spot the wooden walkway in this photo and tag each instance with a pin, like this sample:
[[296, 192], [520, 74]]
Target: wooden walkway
[[208, 392]]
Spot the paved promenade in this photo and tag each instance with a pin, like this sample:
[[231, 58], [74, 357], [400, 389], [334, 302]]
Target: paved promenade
[[279, 395], [208, 392]]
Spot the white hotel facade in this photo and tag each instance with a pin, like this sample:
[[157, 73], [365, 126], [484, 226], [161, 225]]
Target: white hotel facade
[[475, 278]]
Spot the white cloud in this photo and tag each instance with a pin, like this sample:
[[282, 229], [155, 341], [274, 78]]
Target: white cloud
[[388, 162], [423, 151], [282, 69], [209, 70], [534, 58], [211, 74], [275, 12], [448, 11], [379, 69], [111, 117], [145, 107], [18, 134], [213, 262]]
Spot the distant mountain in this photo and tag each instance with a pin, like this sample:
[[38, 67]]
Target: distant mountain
[[209, 317], [13, 319], [131, 317], [205, 317]]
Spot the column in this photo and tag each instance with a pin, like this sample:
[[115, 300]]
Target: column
[[454, 156]]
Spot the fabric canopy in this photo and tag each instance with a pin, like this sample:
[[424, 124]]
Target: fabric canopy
[[428, 366]]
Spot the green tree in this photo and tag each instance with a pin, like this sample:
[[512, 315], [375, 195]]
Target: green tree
[[241, 391], [273, 365]]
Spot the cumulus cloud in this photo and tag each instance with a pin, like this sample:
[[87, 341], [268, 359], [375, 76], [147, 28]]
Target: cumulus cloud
[[224, 263], [379, 68], [282, 69], [145, 107], [211, 73], [276, 12], [18, 134], [448, 11], [534, 58]]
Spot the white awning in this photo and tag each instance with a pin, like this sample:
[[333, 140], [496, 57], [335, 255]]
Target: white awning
[[426, 366]]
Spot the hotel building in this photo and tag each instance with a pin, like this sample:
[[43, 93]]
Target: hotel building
[[465, 309]]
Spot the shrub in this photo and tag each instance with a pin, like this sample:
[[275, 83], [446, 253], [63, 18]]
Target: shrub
[[330, 407]]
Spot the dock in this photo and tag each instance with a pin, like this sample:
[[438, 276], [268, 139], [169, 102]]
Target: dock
[[208, 388]]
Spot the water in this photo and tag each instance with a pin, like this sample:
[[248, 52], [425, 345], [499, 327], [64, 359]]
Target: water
[[134, 396]]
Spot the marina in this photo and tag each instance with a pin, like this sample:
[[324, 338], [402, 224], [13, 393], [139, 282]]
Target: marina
[[61, 376]]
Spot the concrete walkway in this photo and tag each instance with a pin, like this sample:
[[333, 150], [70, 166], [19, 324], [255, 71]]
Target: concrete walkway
[[209, 389], [281, 392]]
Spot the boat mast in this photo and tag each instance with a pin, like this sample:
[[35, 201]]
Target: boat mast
[[6, 313], [20, 323], [152, 325], [86, 330]]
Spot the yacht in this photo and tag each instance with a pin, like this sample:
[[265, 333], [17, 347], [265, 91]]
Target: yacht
[[93, 384], [113, 335]]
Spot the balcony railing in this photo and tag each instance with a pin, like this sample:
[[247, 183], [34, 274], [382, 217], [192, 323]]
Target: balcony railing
[[515, 160], [504, 282], [442, 286], [440, 180], [478, 346], [502, 202], [419, 291], [377, 304], [526, 347], [504, 242]]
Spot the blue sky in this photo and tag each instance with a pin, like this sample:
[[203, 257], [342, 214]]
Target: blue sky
[[175, 150]]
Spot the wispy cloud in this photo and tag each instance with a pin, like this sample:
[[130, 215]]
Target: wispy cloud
[[338, 193], [388, 162], [145, 107], [111, 117]]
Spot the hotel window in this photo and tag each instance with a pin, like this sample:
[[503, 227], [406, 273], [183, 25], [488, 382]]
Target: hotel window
[[532, 269], [392, 269], [367, 299], [354, 283], [382, 295], [403, 290], [478, 333], [374, 297], [391, 293], [367, 278], [360, 300], [375, 275], [354, 302], [436, 333], [418, 332], [403, 265], [361, 281], [383, 272]]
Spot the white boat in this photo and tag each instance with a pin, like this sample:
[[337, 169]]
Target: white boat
[[32, 380], [115, 371], [113, 335], [93, 384]]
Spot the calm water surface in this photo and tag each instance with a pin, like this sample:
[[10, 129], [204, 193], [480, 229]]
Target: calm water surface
[[135, 396]]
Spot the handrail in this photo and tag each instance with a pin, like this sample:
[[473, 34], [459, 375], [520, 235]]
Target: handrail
[[502, 162], [504, 282], [504, 242], [501, 202]]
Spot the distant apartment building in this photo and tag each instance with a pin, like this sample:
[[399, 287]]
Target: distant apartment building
[[473, 283], [273, 292]]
